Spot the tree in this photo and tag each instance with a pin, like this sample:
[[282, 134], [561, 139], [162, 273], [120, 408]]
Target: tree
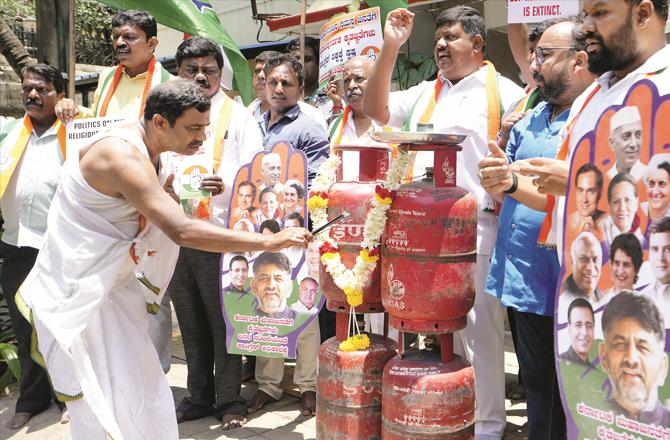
[[13, 50]]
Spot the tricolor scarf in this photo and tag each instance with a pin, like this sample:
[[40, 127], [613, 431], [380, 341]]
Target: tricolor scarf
[[494, 109], [529, 101], [110, 84], [14, 142]]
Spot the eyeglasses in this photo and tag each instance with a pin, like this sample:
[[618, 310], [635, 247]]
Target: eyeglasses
[[541, 53], [192, 71]]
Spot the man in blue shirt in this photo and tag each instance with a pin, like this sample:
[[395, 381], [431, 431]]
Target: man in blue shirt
[[523, 280], [285, 121]]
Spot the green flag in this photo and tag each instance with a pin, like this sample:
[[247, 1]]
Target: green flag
[[386, 6], [196, 17]]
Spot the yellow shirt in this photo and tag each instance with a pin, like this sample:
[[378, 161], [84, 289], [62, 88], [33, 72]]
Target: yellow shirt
[[127, 96]]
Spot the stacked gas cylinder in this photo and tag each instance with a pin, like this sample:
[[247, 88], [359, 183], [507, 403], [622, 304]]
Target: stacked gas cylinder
[[427, 285]]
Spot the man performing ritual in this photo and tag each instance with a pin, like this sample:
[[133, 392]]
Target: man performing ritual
[[112, 224]]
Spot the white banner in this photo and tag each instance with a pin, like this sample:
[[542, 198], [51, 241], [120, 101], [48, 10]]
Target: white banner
[[348, 36], [80, 132], [535, 11]]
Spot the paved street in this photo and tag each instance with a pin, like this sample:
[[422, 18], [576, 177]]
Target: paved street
[[278, 421]]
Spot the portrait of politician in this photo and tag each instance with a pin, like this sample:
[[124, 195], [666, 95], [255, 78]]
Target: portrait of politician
[[622, 217], [657, 182], [581, 322], [586, 256], [272, 285], [306, 304], [633, 356], [239, 272], [626, 142], [625, 263], [269, 204], [246, 194], [271, 171], [588, 189], [659, 260]]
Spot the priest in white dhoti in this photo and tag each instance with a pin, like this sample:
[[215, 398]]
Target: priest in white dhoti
[[109, 252]]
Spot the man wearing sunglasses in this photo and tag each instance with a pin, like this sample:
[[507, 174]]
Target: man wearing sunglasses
[[525, 281]]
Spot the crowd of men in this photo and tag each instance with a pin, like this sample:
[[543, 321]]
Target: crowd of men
[[79, 290]]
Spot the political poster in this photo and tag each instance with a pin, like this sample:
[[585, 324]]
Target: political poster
[[269, 298], [189, 172], [535, 11], [348, 36], [613, 299], [80, 132]]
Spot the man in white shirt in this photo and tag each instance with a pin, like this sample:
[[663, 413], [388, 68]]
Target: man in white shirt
[[626, 142], [587, 258], [352, 127], [309, 289], [32, 151], [460, 107], [233, 139]]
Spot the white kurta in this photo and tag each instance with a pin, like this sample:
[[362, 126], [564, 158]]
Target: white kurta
[[90, 311], [461, 109]]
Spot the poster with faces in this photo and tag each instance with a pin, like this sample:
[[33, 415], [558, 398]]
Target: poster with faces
[[269, 298], [613, 299]]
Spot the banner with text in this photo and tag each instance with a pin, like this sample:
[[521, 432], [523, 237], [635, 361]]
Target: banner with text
[[348, 36], [80, 132], [535, 11], [613, 302], [269, 298]]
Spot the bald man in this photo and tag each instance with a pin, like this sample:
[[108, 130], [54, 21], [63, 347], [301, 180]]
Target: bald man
[[352, 126]]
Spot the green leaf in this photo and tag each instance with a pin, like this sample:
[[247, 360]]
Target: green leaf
[[6, 379], [411, 70], [9, 355]]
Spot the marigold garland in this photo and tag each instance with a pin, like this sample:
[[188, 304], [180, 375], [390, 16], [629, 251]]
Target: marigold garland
[[353, 281]]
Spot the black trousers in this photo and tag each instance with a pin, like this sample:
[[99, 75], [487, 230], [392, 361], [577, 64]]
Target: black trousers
[[214, 376], [535, 351], [34, 390], [515, 343]]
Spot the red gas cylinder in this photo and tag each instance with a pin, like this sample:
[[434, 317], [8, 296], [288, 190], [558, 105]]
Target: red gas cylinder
[[354, 197], [429, 250], [349, 390], [423, 398]]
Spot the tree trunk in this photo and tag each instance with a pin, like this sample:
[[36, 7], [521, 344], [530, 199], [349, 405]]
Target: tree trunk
[[13, 50], [46, 14]]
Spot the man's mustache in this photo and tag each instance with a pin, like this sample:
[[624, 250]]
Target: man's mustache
[[33, 102]]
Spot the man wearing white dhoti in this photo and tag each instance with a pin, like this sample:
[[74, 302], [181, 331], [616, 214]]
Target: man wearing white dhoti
[[113, 229]]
